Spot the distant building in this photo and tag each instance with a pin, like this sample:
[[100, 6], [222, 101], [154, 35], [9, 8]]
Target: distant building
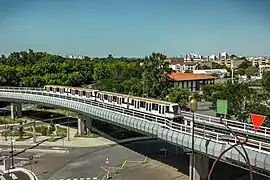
[[220, 72], [263, 68], [181, 66], [193, 57], [193, 82], [260, 61]]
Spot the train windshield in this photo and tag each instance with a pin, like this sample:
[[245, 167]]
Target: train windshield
[[176, 109]]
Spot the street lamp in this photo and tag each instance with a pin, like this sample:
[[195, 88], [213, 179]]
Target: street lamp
[[193, 107], [68, 129], [11, 144]]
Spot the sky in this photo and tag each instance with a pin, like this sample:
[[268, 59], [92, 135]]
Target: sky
[[135, 28]]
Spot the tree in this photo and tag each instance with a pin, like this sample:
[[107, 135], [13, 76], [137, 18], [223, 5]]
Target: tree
[[180, 96], [52, 129], [21, 131], [242, 100], [252, 71], [266, 80], [155, 75], [245, 64], [188, 71]]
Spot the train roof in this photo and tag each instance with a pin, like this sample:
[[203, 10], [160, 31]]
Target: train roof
[[117, 94], [154, 100], [70, 87], [139, 98]]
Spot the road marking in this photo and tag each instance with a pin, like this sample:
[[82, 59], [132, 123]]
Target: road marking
[[88, 178], [81, 178], [108, 172], [123, 165]]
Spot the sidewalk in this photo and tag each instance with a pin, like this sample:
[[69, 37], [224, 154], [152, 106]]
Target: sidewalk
[[75, 142]]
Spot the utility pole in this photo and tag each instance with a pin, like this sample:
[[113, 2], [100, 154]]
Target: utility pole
[[193, 104], [68, 131], [11, 144], [232, 70]]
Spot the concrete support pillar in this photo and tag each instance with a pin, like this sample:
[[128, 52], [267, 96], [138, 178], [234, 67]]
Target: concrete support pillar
[[201, 167], [15, 110], [88, 125], [19, 109], [81, 125], [34, 132]]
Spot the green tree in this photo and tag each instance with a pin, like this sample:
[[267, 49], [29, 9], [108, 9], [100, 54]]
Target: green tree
[[266, 80], [180, 96], [21, 131], [242, 100], [245, 64], [52, 129], [155, 75], [252, 71], [188, 71]]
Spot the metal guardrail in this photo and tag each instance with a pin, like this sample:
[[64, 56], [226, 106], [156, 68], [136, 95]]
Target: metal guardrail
[[199, 132]]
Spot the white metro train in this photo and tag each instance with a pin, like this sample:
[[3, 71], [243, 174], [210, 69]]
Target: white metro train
[[145, 105]]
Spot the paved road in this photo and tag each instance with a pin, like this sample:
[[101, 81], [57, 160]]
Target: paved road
[[172, 166], [93, 165]]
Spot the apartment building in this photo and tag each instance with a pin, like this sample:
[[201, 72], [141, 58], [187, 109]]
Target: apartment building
[[180, 65]]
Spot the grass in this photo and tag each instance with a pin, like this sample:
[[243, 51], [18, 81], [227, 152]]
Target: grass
[[91, 135], [61, 131], [8, 120], [53, 110], [23, 138], [54, 139]]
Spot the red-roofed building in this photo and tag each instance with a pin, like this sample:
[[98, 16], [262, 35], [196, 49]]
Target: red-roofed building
[[193, 82]]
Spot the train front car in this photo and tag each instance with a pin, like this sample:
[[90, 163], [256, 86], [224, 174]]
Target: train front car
[[176, 114]]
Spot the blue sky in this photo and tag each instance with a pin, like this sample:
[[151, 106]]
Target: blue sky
[[135, 27]]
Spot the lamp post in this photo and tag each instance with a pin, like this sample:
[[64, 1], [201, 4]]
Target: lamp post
[[193, 105], [11, 144], [68, 130], [232, 70]]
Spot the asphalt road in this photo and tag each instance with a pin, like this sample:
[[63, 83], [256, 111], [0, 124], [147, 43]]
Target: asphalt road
[[93, 165]]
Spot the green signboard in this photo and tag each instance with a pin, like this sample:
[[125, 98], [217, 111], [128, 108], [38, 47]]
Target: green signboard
[[222, 106]]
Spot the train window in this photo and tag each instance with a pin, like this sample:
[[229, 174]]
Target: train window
[[83, 93], [123, 100], [114, 98], [155, 107], [61, 90], [76, 91], [175, 109], [50, 88], [98, 95], [105, 97], [57, 89], [167, 109], [132, 102], [142, 104]]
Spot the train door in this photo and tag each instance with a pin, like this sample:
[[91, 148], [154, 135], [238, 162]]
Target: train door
[[136, 104], [159, 109], [148, 106]]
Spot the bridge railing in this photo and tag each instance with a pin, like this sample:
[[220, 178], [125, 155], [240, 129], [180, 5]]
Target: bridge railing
[[199, 118], [199, 132], [235, 125]]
